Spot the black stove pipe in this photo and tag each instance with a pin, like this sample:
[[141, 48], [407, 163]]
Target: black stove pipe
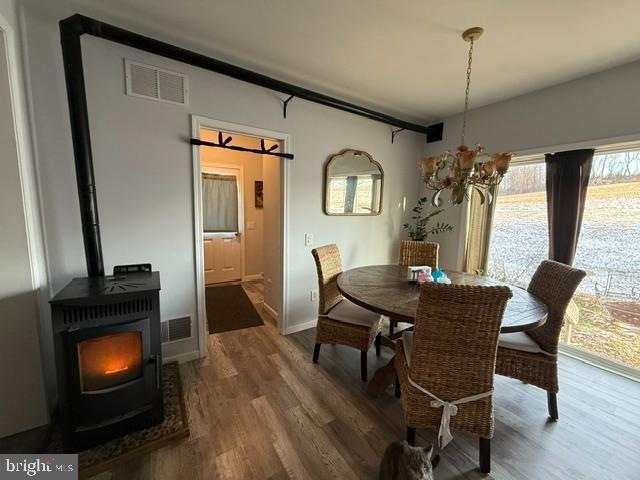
[[72, 28], [70, 32]]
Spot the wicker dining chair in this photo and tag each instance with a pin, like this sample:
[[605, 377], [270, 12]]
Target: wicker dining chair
[[414, 253], [532, 356], [341, 321], [449, 357]]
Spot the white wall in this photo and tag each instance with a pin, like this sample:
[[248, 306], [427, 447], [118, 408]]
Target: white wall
[[22, 395], [144, 177], [599, 109], [251, 164]]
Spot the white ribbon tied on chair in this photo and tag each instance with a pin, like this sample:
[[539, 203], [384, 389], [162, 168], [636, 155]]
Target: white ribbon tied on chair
[[449, 409]]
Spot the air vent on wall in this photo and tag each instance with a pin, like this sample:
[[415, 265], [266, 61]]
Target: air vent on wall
[[175, 329], [155, 83]]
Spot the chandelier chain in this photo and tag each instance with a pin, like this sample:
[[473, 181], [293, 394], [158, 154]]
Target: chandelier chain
[[465, 169], [466, 93]]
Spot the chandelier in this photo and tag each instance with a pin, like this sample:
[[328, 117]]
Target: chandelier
[[465, 168]]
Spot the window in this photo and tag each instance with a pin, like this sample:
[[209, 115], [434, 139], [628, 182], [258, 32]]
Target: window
[[605, 318], [219, 202], [519, 239]]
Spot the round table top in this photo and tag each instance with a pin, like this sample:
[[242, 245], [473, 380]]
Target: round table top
[[384, 289]]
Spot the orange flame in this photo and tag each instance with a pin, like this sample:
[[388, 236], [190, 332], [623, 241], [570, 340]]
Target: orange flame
[[116, 370]]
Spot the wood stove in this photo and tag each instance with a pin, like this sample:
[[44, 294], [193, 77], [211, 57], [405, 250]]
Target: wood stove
[[106, 328], [108, 357]]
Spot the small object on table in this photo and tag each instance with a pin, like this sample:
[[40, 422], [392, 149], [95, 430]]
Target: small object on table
[[423, 277], [440, 277], [437, 274], [419, 274], [444, 279]]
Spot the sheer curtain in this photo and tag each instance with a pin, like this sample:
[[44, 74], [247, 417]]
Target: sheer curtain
[[219, 203]]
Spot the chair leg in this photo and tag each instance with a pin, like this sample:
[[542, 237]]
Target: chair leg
[[378, 343], [316, 353], [552, 402], [411, 436], [392, 325], [485, 455], [363, 366], [397, 392]]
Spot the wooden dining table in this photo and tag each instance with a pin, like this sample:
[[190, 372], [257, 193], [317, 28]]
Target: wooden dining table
[[384, 289]]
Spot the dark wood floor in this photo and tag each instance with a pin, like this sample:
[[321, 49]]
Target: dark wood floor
[[259, 408]]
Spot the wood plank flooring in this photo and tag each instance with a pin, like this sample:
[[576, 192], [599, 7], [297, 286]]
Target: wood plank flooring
[[260, 409]]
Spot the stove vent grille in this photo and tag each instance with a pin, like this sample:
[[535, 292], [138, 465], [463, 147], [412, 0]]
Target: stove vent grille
[[74, 315]]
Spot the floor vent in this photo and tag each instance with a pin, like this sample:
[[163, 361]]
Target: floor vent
[[175, 329], [155, 83]]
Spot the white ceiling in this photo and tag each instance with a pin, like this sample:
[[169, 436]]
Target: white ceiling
[[403, 57]]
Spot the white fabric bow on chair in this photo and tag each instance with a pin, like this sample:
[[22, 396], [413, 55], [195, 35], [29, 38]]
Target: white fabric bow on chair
[[449, 409]]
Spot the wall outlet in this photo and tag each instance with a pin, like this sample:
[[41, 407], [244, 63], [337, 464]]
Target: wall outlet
[[308, 239], [313, 295]]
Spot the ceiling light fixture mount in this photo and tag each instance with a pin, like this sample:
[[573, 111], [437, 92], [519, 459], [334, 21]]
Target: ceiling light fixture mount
[[472, 34], [465, 169]]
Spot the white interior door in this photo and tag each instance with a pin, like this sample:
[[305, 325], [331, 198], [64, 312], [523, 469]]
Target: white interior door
[[223, 252]]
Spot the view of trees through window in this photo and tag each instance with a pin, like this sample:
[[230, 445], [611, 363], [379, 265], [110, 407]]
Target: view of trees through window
[[605, 319], [363, 198]]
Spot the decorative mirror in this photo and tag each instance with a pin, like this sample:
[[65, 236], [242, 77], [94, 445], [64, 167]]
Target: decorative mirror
[[353, 184]]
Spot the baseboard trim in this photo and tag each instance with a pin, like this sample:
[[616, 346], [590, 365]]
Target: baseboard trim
[[301, 326], [255, 276], [270, 310], [183, 357]]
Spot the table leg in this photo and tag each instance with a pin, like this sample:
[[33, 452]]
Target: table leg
[[389, 341]]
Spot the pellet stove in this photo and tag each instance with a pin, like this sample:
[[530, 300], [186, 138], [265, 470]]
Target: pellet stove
[[108, 357], [106, 328]]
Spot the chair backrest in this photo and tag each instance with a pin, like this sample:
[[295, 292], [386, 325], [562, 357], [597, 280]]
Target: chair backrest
[[554, 283], [414, 253], [329, 266], [455, 338]]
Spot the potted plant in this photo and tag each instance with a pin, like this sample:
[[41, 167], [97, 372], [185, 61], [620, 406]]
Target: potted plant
[[419, 229]]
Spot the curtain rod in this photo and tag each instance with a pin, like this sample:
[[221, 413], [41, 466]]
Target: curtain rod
[[263, 151]]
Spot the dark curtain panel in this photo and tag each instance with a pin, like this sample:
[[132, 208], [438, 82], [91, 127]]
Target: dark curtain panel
[[567, 182]]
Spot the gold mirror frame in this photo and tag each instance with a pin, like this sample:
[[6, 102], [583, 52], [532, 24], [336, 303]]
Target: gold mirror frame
[[327, 166]]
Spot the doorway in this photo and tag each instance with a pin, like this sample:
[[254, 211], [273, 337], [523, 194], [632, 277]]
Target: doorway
[[239, 229]]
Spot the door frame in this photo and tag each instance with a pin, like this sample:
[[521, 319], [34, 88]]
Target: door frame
[[198, 122], [241, 203], [42, 401]]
